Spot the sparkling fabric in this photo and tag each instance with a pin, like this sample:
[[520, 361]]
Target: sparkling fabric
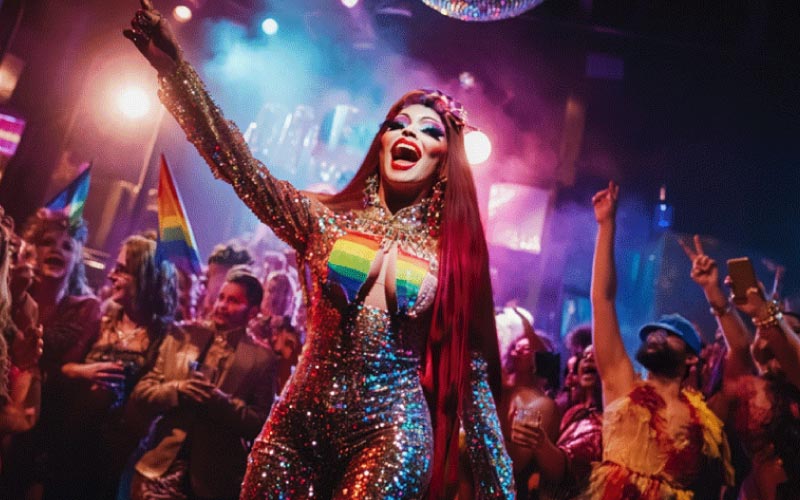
[[481, 10], [642, 461], [353, 421]]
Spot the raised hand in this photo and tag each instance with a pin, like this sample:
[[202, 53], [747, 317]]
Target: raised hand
[[605, 203], [153, 37], [756, 303], [704, 269]]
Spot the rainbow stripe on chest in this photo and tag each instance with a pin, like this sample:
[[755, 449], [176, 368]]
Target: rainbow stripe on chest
[[352, 256]]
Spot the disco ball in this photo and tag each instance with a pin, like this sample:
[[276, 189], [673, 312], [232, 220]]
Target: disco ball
[[481, 10]]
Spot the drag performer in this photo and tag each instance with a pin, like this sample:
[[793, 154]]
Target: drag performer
[[400, 300]]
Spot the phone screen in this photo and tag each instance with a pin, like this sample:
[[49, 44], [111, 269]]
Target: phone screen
[[743, 277]]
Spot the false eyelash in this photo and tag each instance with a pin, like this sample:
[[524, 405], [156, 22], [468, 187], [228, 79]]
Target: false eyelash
[[394, 124], [435, 132]]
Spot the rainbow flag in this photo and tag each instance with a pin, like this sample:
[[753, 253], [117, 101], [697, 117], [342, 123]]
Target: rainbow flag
[[175, 237], [72, 199], [11, 129]]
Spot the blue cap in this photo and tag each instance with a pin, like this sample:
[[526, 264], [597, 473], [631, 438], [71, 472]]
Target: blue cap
[[677, 325]]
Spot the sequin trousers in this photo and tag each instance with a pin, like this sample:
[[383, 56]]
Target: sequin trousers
[[353, 421]]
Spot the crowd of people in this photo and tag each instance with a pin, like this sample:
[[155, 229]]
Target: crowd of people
[[164, 390], [365, 358]]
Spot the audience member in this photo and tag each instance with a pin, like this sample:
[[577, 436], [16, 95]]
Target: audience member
[[223, 258], [525, 401], [19, 356], [659, 440], [189, 295], [213, 388], [134, 321], [760, 393], [577, 340], [566, 465], [70, 316]]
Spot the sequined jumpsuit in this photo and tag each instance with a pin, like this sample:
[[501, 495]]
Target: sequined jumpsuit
[[353, 421]]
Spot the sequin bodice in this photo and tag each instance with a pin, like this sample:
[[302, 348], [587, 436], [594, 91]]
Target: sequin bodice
[[348, 244]]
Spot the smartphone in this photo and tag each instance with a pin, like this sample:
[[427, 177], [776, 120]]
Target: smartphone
[[743, 277]]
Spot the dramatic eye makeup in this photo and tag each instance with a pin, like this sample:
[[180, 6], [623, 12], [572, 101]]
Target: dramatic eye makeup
[[433, 129], [399, 122], [427, 126]]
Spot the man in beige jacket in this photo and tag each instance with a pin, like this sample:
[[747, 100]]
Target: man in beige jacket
[[211, 388]]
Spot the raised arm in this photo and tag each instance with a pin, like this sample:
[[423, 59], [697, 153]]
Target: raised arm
[[289, 213], [613, 363], [706, 274]]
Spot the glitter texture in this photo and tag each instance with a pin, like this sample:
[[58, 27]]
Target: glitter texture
[[481, 10], [353, 421]]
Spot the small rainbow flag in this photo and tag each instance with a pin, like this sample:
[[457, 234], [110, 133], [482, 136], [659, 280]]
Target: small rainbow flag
[[175, 237], [72, 199]]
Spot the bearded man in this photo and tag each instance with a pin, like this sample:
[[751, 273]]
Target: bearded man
[[660, 440]]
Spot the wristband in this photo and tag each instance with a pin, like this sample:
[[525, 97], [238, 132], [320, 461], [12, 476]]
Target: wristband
[[720, 311], [773, 317]]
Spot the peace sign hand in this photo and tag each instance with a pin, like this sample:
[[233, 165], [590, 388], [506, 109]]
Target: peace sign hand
[[704, 269]]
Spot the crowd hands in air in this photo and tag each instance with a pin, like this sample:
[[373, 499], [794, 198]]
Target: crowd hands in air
[[100, 388]]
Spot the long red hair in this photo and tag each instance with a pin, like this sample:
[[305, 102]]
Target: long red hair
[[463, 310]]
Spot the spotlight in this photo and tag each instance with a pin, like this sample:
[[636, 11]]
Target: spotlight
[[182, 13], [478, 147], [269, 26], [349, 3], [133, 102], [466, 79]]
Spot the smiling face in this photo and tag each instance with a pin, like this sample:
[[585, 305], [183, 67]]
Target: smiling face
[[412, 148], [56, 255], [123, 283], [587, 369]]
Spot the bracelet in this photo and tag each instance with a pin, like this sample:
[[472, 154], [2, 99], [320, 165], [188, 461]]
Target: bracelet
[[719, 311], [773, 317]]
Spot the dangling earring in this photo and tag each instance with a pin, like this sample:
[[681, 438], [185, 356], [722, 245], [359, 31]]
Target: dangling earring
[[436, 206]]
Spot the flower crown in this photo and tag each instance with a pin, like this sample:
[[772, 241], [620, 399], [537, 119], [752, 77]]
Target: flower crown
[[441, 103]]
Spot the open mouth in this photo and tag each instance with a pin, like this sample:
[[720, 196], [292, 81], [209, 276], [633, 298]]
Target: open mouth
[[405, 154], [53, 262]]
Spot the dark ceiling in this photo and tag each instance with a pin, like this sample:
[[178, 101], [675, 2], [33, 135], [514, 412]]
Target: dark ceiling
[[707, 100]]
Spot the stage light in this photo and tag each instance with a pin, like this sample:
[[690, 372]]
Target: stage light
[[478, 147], [133, 102], [466, 80], [269, 26], [349, 3], [182, 13]]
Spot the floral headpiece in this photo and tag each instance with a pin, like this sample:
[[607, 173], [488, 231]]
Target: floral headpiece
[[441, 103]]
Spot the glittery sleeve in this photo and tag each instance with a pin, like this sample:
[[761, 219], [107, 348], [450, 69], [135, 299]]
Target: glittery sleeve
[[490, 463], [278, 204]]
